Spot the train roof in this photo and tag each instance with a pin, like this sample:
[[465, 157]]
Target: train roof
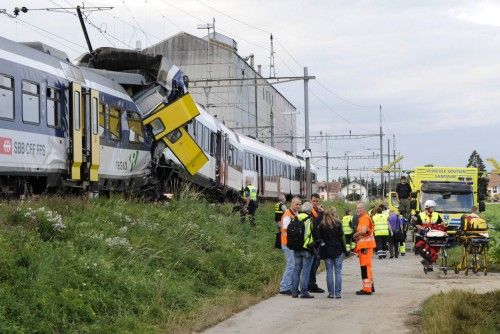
[[255, 146], [50, 60]]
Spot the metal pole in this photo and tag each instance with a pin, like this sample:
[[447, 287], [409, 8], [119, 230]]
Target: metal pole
[[272, 127], [347, 172], [394, 154], [327, 176], [87, 39], [381, 154], [388, 161], [255, 98], [306, 116]]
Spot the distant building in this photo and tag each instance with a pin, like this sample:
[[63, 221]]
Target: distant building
[[494, 187], [355, 188], [249, 107], [333, 190]]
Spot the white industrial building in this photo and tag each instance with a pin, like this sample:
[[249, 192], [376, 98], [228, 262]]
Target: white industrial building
[[252, 107]]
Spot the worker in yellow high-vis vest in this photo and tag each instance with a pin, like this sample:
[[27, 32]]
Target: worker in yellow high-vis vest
[[250, 203], [347, 228]]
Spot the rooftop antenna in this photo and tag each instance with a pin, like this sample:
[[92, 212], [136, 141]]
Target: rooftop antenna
[[18, 10]]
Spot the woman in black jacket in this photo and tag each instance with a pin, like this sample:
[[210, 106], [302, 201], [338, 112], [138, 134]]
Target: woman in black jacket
[[332, 250]]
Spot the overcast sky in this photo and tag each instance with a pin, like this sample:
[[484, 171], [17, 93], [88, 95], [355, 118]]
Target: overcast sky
[[434, 66]]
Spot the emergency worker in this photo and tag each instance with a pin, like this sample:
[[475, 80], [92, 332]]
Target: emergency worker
[[316, 213], [288, 215], [348, 229], [279, 209], [250, 203], [365, 243], [429, 219], [304, 257], [381, 231]]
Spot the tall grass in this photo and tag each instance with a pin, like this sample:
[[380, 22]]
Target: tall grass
[[461, 312], [123, 266]]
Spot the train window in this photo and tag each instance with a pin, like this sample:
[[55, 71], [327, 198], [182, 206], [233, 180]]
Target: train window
[[53, 108], [31, 102], [136, 134], [102, 120], [230, 155], [240, 159], [94, 116], [115, 124], [76, 110], [206, 139], [190, 128], [213, 140], [199, 134], [6, 97]]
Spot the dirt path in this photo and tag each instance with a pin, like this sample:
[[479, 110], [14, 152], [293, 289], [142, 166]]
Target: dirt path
[[401, 286]]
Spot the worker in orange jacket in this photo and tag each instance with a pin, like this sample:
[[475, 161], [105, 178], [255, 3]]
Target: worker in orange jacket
[[365, 243]]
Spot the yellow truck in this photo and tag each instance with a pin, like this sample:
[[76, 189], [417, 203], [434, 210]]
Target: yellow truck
[[454, 189]]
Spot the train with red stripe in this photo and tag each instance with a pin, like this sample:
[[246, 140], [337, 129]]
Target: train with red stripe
[[91, 126]]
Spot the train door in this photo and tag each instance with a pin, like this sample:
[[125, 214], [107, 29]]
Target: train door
[[218, 158], [76, 131], [84, 134], [221, 158], [225, 165]]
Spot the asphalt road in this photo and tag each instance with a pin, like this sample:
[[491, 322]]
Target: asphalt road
[[401, 286]]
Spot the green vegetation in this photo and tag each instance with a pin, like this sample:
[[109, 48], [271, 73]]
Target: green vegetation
[[492, 216], [120, 266], [461, 312]]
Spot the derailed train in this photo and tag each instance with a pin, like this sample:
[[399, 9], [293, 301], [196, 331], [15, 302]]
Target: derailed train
[[86, 127]]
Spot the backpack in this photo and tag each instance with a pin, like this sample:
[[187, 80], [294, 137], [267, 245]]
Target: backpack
[[295, 234]]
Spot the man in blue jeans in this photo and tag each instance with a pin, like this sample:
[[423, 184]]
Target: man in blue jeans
[[288, 215], [303, 257]]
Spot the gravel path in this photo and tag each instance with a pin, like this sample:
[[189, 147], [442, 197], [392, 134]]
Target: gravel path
[[401, 286]]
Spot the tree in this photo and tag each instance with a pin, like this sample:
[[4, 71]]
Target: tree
[[482, 186]]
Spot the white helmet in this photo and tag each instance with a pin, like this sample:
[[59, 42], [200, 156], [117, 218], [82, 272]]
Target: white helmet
[[429, 204]]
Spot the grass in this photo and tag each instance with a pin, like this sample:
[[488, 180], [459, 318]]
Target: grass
[[461, 312], [122, 266]]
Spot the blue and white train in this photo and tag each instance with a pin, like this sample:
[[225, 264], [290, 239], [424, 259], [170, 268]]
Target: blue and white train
[[66, 126]]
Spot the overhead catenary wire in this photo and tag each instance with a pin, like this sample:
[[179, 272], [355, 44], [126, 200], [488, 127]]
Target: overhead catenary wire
[[32, 27]]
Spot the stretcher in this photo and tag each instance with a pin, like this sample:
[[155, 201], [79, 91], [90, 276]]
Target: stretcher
[[432, 247], [474, 238]]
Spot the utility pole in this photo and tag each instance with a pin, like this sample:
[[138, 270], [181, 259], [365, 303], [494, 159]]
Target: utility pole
[[272, 71], [272, 126], [347, 173], [307, 149], [255, 99], [388, 161], [327, 176], [394, 154], [381, 153]]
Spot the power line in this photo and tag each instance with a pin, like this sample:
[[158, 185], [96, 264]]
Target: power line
[[50, 33]]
